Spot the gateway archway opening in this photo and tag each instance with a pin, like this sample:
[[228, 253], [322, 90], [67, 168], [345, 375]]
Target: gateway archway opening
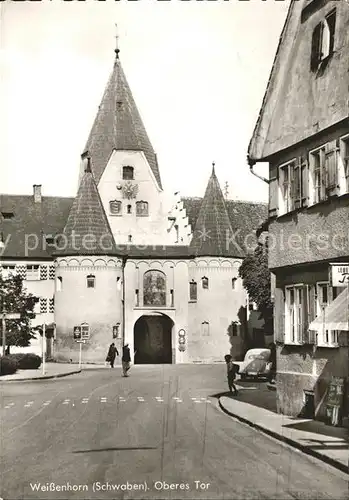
[[153, 340]]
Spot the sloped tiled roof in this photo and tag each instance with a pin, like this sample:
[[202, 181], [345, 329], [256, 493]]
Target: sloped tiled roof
[[118, 125], [245, 217], [31, 222], [87, 231], [213, 227]]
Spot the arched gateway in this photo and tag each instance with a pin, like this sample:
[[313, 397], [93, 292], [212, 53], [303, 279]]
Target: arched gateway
[[153, 339]]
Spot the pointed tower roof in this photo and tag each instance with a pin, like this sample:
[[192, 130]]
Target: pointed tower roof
[[87, 231], [213, 229], [118, 125]]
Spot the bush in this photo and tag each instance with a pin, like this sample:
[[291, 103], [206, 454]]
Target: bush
[[8, 365], [26, 361]]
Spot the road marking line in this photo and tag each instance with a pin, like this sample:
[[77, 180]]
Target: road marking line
[[7, 406], [46, 403], [65, 402], [179, 400]]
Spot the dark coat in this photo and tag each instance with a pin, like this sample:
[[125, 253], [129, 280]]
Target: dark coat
[[112, 353], [126, 354]]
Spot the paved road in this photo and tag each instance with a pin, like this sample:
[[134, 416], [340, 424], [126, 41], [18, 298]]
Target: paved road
[[159, 428]]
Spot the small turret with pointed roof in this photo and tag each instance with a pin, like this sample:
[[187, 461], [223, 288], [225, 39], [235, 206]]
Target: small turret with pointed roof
[[118, 125], [87, 231], [213, 229]]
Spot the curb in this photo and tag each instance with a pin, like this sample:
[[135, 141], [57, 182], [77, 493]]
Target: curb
[[44, 377], [289, 441]]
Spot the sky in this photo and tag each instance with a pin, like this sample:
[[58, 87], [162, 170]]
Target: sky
[[197, 70]]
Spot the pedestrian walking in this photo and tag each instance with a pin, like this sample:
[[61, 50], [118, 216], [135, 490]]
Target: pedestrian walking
[[232, 370], [112, 353], [126, 360]]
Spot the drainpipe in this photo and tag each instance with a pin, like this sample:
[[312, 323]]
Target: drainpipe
[[251, 164], [123, 300]]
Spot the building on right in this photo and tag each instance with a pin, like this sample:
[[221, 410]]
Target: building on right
[[303, 133]]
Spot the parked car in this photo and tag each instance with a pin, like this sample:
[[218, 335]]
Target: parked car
[[256, 364]]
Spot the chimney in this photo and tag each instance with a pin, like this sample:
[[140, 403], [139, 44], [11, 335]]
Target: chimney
[[37, 193]]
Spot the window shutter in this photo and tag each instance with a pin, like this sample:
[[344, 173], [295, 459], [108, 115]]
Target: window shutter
[[331, 168], [296, 183], [305, 315], [279, 326], [315, 47], [273, 197], [304, 174]]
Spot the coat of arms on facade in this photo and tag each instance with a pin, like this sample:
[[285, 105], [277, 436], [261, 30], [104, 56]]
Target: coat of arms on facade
[[129, 190]]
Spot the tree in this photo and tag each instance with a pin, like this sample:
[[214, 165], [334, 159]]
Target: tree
[[14, 298], [256, 279]]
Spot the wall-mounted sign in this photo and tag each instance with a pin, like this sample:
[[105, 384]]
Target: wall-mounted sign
[[116, 331], [339, 275]]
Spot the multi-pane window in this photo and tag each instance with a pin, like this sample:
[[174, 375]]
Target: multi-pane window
[[128, 173], [91, 281], [318, 174], [290, 184], [323, 294], [115, 207], [32, 272], [141, 208], [294, 315], [193, 291], [322, 45]]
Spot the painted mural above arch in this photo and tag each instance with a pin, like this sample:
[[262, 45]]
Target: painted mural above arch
[[154, 288]]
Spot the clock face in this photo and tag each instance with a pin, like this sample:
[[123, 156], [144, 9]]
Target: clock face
[[129, 190]]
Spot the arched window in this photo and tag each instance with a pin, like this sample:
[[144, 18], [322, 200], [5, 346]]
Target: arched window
[[115, 207], [205, 328], [129, 209], [193, 291], [91, 281], [204, 282], [128, 173], [141, 208], [154, 288], [233, 283]]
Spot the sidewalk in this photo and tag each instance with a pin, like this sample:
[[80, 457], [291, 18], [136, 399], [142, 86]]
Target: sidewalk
[[52, 370], [315, 438]]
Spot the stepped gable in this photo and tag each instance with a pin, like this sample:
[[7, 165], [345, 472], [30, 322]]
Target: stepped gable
[[118, 125], [245, 217]]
